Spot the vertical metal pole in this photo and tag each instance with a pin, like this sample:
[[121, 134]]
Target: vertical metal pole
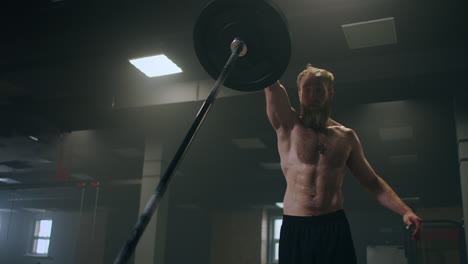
[[81, 202], [462, 244], [127, 250], [10, 218], [95, 211], [80, 220]]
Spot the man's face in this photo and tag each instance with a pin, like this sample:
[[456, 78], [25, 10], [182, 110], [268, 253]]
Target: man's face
[[312, 94]]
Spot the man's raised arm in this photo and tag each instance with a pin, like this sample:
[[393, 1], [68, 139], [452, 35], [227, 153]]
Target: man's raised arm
[[279, 110]]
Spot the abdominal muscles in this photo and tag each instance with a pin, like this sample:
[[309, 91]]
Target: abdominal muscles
[[312, 190]]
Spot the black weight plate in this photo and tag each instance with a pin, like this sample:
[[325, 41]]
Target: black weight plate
[[262, 27]]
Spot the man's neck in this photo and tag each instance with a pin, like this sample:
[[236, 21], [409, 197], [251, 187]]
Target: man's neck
[[318, 121]]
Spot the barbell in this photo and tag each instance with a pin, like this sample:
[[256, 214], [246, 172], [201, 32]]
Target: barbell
[[260, 25], [243, 44]]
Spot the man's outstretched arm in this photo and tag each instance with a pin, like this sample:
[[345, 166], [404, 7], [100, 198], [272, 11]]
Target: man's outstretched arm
[[278, 107], [379, 189]]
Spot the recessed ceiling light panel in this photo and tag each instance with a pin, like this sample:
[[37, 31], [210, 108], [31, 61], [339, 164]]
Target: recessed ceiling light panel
[[154, 66], [370, 33]]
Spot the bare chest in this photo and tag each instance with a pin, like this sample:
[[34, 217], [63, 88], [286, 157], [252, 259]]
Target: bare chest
[[309, 147]]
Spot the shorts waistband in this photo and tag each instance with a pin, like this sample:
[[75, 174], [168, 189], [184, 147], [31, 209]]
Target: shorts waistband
[[316, 219]]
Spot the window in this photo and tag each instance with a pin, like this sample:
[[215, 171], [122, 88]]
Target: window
[[275, 228], [41, 239]]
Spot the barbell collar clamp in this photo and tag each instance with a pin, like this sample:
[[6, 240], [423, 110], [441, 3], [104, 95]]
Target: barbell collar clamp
[[236, 42]]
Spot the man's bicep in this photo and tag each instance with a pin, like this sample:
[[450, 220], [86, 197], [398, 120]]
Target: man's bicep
[[281, 118], [358, 164], [279, 110]]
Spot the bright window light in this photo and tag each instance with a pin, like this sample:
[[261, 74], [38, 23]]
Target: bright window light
[[41, 238], [154, 66], [45, 227], [277, 227], [42, 246], [274, 236]]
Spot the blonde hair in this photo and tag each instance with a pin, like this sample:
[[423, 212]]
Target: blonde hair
[[325, 77]]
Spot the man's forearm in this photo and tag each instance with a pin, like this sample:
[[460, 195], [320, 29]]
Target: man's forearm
[[385, 195]]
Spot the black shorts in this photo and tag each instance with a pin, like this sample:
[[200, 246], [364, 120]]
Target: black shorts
[[323, 239]]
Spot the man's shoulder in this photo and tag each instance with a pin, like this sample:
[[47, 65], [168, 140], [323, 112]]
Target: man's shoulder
[[344, 131], [333, 124]]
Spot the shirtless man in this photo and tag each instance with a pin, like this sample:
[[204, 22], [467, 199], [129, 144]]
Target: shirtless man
[[315, 151]]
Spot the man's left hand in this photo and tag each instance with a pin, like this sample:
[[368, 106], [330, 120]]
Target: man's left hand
[[412, 220]]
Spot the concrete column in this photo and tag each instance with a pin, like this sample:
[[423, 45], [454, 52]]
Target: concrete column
[[152, 245], [461, 120]]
